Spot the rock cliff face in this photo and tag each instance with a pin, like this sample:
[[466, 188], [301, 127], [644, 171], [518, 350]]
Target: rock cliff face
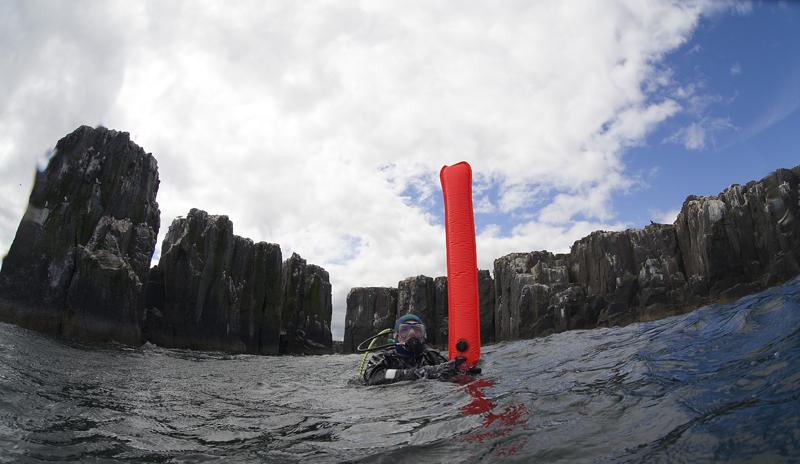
[[415, 295], [741, 241], [486, 298], [369, 310], [79, 266], [79, 262], [440, 310], [307, 308], [744, 239], [215, 290], [721, 247], [372, 309]]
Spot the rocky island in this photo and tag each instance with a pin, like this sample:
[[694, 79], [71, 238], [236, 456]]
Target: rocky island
[[79, 266], [720, 248], [80, 259]]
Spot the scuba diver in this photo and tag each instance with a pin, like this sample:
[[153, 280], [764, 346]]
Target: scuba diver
[[408, 358]]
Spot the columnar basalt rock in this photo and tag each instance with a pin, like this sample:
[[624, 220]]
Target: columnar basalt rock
[[307, 308], [521, 303], [215, 290], [486, 299], [660, 278], [79, 266], [506, 269], [79, 262], [746, 238], [538, 295], [440, 310], [415, 295], [369, 310], [607, 278], [631, 272], [726, 246]]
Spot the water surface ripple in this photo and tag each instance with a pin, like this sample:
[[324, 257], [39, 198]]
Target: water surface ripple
[[719, 384]]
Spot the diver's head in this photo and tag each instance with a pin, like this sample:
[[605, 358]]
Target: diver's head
[[409, 335]]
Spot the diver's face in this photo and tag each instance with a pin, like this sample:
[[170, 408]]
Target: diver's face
[[408, 330]]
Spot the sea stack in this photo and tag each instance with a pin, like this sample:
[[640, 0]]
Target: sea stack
[[214, 290], [721, 247], [79, 261], [307, 308], [372, 309]]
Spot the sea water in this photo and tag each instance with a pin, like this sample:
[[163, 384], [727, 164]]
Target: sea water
[[720, 384]]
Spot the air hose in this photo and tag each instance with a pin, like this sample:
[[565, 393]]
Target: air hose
[[372, 340]]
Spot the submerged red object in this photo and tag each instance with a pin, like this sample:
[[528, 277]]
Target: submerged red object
[[464, 323]]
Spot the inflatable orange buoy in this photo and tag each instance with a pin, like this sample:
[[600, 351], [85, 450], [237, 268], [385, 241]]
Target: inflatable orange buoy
[[464, 323]]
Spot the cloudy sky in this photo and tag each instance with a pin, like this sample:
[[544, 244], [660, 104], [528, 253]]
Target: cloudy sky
[[322, 126]]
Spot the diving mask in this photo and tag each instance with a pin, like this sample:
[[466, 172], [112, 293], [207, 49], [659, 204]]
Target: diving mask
[[409, 330]]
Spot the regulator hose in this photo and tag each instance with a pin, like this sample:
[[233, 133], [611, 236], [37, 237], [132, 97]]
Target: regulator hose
[[360, 348]]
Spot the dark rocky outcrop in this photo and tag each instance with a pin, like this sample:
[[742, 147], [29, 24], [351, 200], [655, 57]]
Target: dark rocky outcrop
[[721, 247], [536, 296], [440, 310], [337, 347], [518, 301], [214, 290], [307, 308], [486, 299], [372, 309], [415, 295], [726, 246], [79, 266], [79, 262], [369, 310], [744, 239]]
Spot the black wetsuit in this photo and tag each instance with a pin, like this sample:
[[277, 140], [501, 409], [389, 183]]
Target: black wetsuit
[[388, 366]]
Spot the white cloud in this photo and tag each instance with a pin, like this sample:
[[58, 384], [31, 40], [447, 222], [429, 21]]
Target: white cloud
[[533, 236], [695, 101], [322, 126], [484, 205], [696, 135], [736, 69], [693, 136], [743, 7]]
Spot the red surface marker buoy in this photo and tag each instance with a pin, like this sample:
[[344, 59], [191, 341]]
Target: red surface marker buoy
[[464, 323]]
